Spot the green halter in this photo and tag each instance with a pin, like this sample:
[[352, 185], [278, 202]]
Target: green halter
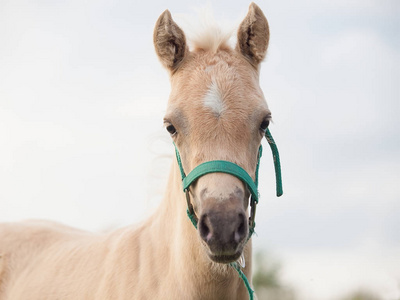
[[222, 166]]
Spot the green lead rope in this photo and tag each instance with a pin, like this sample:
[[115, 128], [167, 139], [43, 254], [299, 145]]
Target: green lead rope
[[244, 278], [235, 170]]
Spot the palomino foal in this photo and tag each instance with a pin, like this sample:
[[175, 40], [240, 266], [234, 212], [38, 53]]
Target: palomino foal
[[216, 111]]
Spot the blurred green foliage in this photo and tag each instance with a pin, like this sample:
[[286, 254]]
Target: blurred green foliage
[[361, 295], [266, 279]]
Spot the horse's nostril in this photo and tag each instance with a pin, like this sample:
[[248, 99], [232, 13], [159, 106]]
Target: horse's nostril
[[240, 231], [204, 228]]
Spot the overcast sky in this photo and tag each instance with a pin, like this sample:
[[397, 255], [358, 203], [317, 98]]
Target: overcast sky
[[82, 97]]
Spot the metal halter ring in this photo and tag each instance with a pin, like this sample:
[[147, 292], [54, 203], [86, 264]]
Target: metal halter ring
[[253, 205]]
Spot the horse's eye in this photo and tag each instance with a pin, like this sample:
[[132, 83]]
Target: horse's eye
[[171, 129], [264, 124]]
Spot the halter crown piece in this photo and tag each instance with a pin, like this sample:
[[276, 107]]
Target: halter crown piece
[[222, 166]]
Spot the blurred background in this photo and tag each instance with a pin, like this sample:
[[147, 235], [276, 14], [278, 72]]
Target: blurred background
[[82, 97]]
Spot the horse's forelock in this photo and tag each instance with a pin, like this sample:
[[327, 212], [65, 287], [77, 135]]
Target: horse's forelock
[[204, 32]]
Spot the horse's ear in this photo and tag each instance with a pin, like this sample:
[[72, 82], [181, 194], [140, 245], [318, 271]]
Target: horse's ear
[[253, 35], [169, 41]]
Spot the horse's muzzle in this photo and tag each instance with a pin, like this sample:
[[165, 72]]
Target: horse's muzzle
[[224, 231]]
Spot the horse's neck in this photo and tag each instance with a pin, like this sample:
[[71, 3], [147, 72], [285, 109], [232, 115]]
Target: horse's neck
[[187, 256]]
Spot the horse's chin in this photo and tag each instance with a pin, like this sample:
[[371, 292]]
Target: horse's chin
[[225, 258]]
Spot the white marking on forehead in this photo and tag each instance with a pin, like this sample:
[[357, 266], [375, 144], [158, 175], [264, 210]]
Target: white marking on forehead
[[214, 99]]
